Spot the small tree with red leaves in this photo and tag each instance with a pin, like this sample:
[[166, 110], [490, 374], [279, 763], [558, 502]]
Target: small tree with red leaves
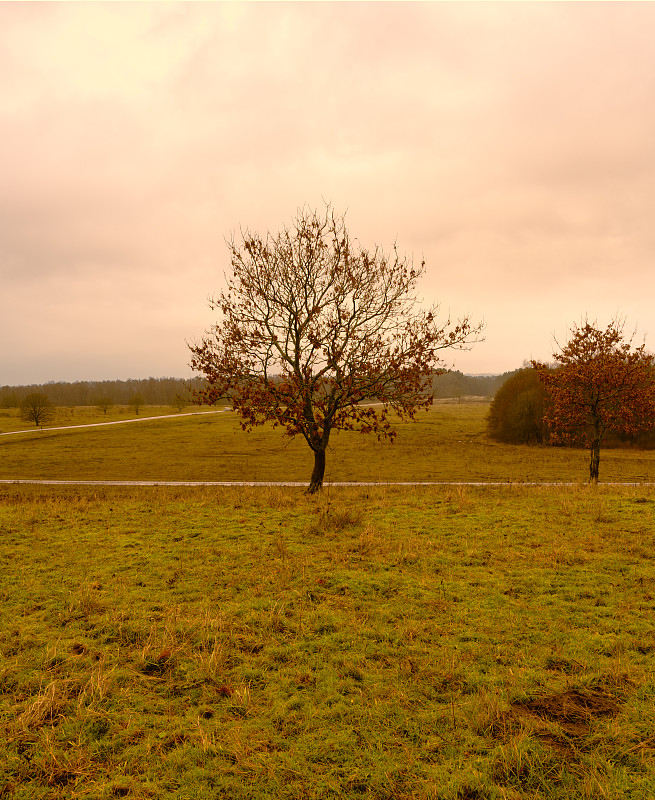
[[600, 383], [313, 325]]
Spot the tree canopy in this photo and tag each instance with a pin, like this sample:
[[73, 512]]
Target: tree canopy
[[600, 383], [318, 333]]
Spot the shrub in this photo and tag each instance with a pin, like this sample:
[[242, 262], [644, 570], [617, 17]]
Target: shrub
[[516, 415]]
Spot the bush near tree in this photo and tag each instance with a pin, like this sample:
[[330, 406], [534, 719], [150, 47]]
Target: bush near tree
[[516, 414], [601, 383]]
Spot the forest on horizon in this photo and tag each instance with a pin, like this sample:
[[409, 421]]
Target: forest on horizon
[[164, 391]]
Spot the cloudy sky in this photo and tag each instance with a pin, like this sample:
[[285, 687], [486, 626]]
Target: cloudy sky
[[511, 145]]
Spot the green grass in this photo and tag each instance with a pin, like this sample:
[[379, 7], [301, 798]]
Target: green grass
[[440, 642], [443, 643], [449, 443]]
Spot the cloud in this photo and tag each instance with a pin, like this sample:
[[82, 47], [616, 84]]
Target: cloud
[[512, 145]]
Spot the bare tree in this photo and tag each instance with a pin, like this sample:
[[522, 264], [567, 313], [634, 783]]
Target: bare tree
[[180, 401], [37, 408], [313, 325], [103, 403], [136, 401]]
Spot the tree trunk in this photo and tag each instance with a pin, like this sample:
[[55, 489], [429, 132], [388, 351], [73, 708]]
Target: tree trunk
[[594, 461], [316, 482]]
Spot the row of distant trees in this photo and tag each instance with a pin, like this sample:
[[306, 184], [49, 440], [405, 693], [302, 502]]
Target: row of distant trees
[[179, 392], [105, 394], [454, 384]]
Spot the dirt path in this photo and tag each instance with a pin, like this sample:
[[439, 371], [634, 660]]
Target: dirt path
[[299, 483], [116, 422]]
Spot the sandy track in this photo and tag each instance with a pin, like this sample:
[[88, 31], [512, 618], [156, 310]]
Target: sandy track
[[116, 422], [326, 485]]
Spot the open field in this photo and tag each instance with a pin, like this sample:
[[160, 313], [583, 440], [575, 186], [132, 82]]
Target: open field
[[387, 643], [437, 642], [448, 443]]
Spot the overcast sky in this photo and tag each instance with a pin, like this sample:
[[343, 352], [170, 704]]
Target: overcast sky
[[511, 145]]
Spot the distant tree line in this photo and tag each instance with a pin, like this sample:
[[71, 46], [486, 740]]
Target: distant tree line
[[178, 392], [104, 394], [454, 384]]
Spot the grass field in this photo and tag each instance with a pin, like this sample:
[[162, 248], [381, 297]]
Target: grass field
[[450, 643], [388, 643], [449, 443]]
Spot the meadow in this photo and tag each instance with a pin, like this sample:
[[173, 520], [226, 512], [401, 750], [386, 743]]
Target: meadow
[[449, 443], [444, 642]]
